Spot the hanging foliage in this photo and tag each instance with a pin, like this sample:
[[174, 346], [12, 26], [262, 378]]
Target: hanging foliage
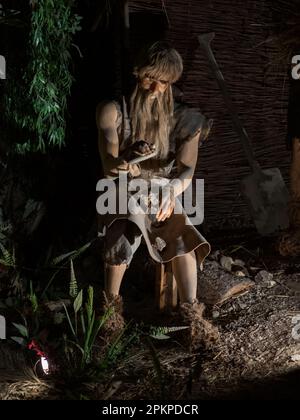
[[36, 102]]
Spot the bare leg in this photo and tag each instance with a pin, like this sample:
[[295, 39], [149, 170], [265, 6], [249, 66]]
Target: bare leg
[[185, 272], [113, 278]]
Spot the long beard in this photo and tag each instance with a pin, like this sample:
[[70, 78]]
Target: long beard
[[151, 118]]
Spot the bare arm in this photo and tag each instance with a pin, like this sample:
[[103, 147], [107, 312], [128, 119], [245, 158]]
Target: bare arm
[[186, 162], [108, 139]]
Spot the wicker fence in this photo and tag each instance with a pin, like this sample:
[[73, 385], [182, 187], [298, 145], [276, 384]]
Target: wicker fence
[[259, 89]]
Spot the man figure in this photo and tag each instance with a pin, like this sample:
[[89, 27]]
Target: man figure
[[174, 133]]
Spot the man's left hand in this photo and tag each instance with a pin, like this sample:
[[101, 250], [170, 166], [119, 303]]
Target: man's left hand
[[167, 204], [134, 170]]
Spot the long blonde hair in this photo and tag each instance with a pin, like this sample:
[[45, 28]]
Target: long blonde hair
[[152, 120]]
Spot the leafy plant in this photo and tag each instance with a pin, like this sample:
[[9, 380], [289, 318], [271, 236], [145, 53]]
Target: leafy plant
[[31, 322], [116, 352], [72, 254], [83, 336], [85, 327], [64, 259], [23, 330], [37, 102]]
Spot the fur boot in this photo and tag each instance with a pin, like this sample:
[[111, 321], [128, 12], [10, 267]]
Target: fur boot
[[201, 332], [115, 322]]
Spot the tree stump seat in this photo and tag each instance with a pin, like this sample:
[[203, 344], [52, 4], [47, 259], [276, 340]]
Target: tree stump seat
[[166, 295]]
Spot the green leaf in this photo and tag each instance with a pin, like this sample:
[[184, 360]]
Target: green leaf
[[69, 320], [32, 97], [78, 302], [62, 257], [19, 340], [33, 299], [82, 321], [90, 304], [22, 329], [72, 254], [160, 333]]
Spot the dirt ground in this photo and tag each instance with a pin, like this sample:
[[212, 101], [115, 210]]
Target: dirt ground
[[258, 356]]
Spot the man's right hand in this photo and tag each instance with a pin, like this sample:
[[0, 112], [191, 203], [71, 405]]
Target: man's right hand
[[142, 147]]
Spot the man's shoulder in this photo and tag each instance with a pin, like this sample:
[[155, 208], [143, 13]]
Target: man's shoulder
[[107, 112], [188, 121], [107, 106]]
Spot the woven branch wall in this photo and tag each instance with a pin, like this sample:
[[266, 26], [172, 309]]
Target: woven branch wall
[[258, 86]]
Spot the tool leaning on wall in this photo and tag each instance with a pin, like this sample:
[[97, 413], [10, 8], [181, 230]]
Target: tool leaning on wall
[[264, 189]]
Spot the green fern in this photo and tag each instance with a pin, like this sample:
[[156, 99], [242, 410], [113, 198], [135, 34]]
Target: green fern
[[71, 255], [8, 259], [64, 259], [118, 348], [4, 227], [160, 333]]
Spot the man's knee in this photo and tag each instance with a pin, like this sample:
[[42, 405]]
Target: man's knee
[[122, 251], [114, 260]]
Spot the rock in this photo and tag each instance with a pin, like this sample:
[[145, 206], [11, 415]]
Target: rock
[[239, 274], [226, 262], [240, 263], [263, 276], [265, 279], [215, 314], [239, 270], [215, 255], [295, 357]]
